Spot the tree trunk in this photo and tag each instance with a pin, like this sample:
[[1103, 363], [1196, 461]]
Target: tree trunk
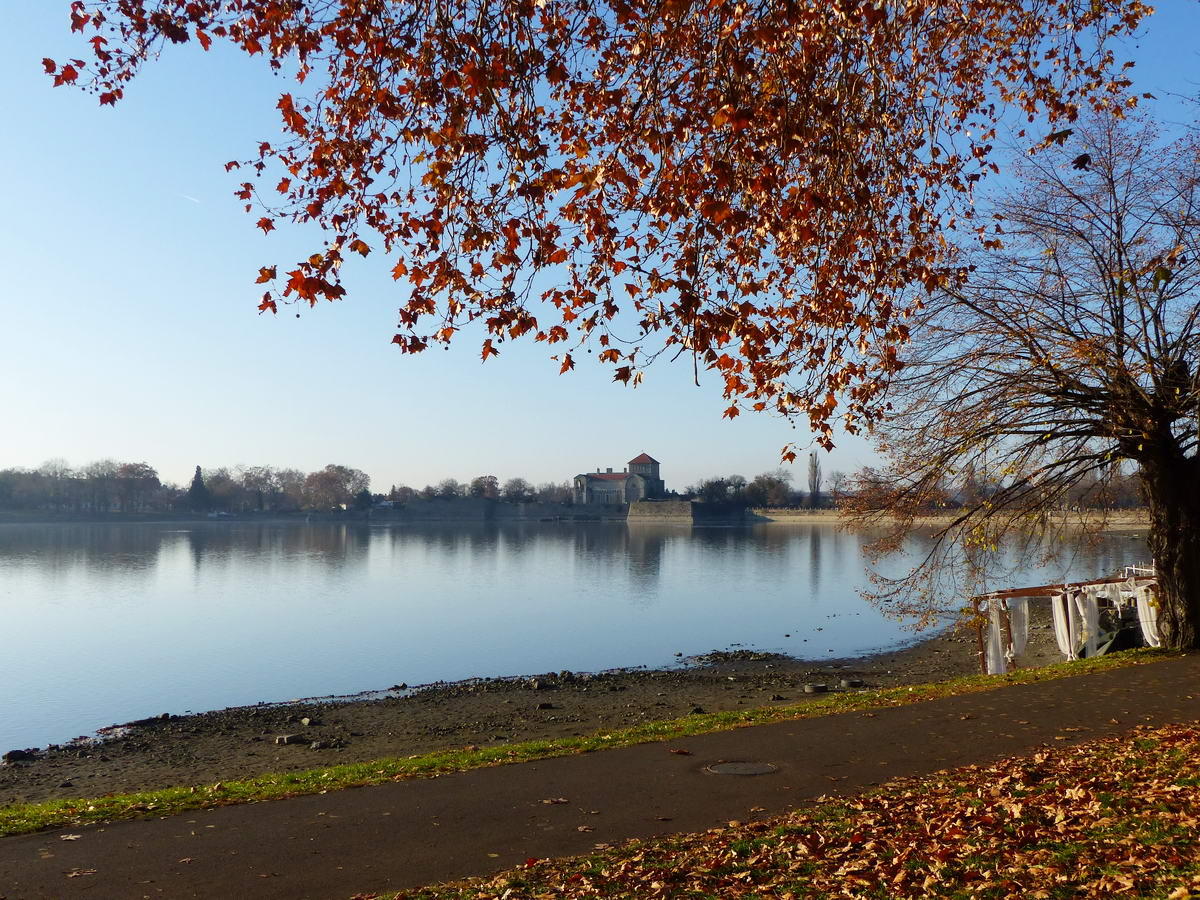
[[1173, 495]]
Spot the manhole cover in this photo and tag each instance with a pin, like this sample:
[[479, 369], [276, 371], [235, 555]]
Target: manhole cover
[[742, 768]]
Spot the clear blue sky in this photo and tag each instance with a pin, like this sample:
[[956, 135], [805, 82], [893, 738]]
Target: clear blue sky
[[129, 328]]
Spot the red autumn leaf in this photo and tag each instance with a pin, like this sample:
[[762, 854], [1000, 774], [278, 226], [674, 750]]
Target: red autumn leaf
[[50, 65], [266, 224], [67, 75], [265, 274]]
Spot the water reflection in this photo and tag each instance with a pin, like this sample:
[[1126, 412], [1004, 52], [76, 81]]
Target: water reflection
[[60, 549]]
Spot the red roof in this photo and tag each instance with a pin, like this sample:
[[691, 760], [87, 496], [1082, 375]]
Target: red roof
[[609, 476], [644, 458]]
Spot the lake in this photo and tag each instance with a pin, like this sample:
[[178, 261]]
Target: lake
[[108, 623]]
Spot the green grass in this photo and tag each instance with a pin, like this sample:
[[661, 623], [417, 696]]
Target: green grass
[[32, 817]]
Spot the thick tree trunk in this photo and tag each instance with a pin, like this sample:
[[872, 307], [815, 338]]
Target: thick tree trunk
[[1173, 494]]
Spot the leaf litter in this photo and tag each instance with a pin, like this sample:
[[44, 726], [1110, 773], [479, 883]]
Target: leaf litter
[[1110, 817]]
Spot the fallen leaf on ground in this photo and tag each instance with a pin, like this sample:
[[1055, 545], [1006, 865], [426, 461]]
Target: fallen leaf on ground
[[69, 837], [75, 873], [958, 833]]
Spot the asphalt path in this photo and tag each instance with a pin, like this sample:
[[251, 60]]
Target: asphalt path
[[410, 833]]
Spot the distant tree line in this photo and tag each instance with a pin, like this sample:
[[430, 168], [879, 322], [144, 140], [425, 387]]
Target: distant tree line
[[1114, 489], [515, 490], [1117, 489], [770, 489], [109, 486]]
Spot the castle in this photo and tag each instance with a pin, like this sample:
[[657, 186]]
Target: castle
[[639, 481]]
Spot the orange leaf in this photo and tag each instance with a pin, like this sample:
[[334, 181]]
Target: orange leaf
[[266, 225], [265, 274], [717, 210]]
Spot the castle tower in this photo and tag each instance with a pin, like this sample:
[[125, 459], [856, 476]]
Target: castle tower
[[646, 466]]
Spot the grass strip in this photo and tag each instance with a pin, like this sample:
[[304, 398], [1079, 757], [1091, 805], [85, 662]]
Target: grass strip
[[31, 817], [1110, 817]]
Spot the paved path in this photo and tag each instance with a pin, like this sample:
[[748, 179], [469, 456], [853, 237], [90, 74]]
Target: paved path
[[416, 832]]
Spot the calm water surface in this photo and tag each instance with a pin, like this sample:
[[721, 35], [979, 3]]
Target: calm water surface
[[107, 623]]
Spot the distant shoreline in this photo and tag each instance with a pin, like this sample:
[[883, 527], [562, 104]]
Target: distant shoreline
[[1133, 520]]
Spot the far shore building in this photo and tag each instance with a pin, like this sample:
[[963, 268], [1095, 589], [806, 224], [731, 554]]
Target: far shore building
[[640, 480]]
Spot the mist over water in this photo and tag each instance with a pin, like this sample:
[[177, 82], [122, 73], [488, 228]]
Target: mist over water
[[107, 623]]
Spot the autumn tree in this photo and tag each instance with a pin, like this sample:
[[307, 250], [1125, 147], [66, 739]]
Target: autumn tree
[[449, 489], [1070, 358], [289, 488], [517, 490], [814, 481], [837, 485], [712, 490], [136, 484], [224, 489], [335, 486], [554, 492], [259, 486], [737, 487], [401, 493], [770, 489], [758, 187], [487, 486], [58, 474]]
